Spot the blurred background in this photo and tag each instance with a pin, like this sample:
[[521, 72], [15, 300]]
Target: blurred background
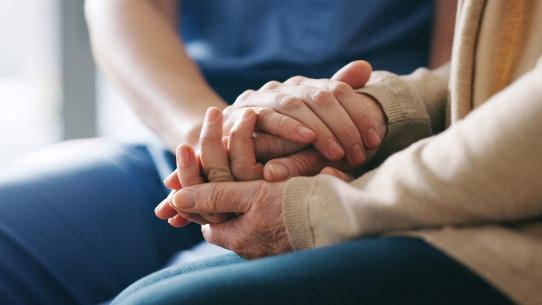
[[50, 89]]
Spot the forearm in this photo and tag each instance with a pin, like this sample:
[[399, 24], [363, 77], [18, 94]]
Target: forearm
[[137, 47], [483, 169]]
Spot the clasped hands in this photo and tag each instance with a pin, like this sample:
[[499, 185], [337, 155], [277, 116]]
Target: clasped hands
[[300, 127]]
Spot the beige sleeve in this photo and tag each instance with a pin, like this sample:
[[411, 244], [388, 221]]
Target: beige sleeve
[[415, 106], [484, 169]]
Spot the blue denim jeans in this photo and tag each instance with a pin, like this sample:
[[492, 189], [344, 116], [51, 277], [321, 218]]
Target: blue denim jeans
[[79, 228], [395, 270]]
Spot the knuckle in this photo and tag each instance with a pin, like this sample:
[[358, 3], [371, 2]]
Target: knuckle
[[245, 95], [219, 198], [219, 174], [297, 166], [237, 134], [265, 117], [322, 98], [263, 112], [206, 141], [351, 132], [289, 103], [284, 123], [341, 90], [360, 116], [271, 85], [239, 170], [215, 196], [296, 79]]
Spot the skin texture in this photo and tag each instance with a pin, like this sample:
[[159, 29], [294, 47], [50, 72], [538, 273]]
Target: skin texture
[[284, 159], [245, 217], [236, 158], [167, 91]]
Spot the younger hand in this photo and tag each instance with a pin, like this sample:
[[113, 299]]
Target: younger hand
[[344, 122]]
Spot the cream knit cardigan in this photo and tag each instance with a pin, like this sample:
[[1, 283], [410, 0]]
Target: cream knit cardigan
[[474, 190]]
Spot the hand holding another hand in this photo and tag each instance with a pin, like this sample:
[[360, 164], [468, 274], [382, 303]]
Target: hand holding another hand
[[245, 217], [348, 127]]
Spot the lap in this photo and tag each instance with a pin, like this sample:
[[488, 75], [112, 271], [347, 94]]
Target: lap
[[395, 270], [77, 223]]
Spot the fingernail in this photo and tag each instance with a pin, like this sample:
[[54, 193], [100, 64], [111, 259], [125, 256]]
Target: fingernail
[[334, 148], [183, 157], [305, 132], [373, 138], [246, 113], [211, 115], [184, 199], [357, 154], [279, 171]]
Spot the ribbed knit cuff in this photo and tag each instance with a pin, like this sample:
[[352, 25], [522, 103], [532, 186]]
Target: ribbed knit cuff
[[407, 118], [295, 209]]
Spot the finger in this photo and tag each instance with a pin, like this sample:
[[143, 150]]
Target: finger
[[188, 170], [294, 107], [356, 74], [200, 219], [308, 162], [278, 124], [164, 209], [330, 101], [189, 173], [243, 164], [178, 221], [268, 147], [370, 119], [364, 111], [214, 157], [191, 217], [172, 181], [226, 235], [225, 197], [283, 126], [336, 173]]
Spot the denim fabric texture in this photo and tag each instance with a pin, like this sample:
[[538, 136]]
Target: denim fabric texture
[[81, 228], [395, 270]]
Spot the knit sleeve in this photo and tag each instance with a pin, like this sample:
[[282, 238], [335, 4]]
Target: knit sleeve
[[414, 105], [483, 169]]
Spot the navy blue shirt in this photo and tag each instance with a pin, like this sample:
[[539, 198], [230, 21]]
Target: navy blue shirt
[[242, 44]]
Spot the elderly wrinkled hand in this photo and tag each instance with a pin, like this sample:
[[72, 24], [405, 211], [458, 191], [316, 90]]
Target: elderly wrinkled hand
[[212, 164], [245, 217]]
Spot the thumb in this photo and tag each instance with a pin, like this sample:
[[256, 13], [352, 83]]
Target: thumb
[[223, 197], [337, 173], [307, 162], [356, 74]]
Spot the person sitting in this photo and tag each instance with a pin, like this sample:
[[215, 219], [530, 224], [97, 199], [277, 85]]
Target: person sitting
[[453, 217]]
